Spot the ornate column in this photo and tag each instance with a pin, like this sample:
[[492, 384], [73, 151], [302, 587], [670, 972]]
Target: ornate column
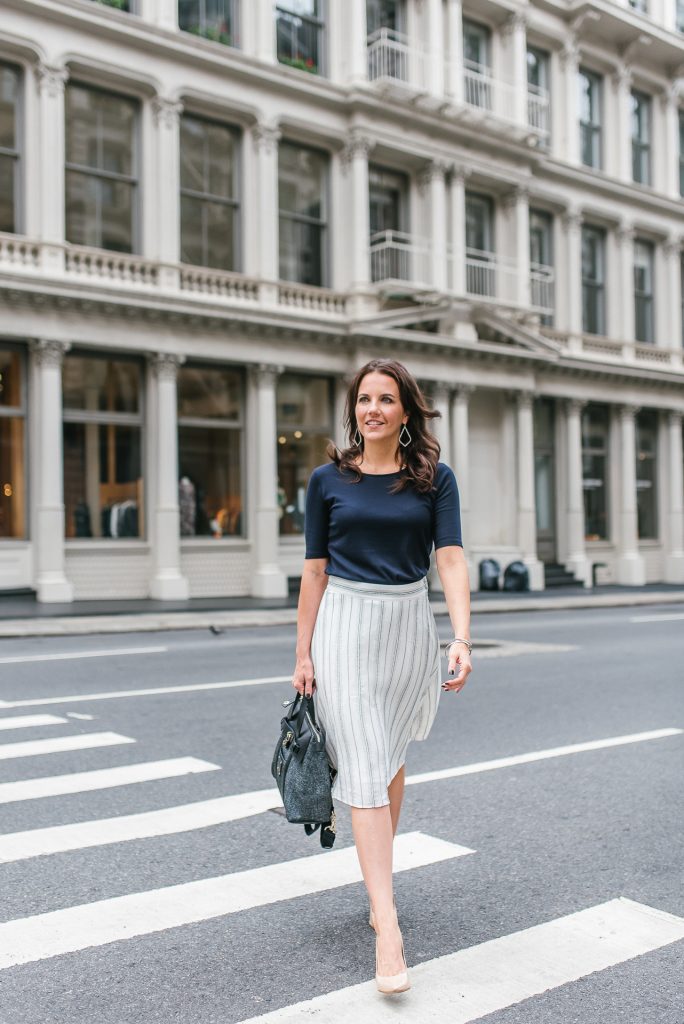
[[432, 184], [268, 579], [624, 237], [572, 225], [521, 201], [460, 452], [264, 35], [434, 38], [622, 138], [167, 583], [356, 63], [51, 582], [266, 139], [515, 31], [630, 564], [527, 514], [577, 561], [674, 558], [51, 85], [668, 172], [166, 113], [669, 327], [440, 427], [355, 169], [458, 231], [570, 58], [454, 35]]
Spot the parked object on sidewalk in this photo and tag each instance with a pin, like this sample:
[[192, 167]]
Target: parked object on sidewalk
[[489, 574], [516, 576], [303, 772]]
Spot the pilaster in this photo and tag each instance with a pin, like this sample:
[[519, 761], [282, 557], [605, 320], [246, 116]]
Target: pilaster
[[674, 558], [624, 237], [167, 583], [454, 37], [51, 582], [355, 169], [166, 113], [433, 186], [268, 579], [52, 81], [266, 138], [570, 61], [572, 313], [577, 561], [630, 569], [527, 519]]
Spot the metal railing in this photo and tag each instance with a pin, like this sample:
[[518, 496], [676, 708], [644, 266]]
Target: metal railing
[[539, 111], [542, 288], [481, 89], [396, 256], [491, 276], [390, 56]]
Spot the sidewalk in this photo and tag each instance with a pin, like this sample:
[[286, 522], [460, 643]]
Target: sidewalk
[[22, 616]]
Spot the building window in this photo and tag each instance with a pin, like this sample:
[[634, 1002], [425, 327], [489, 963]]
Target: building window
[[387, 14], [681, 293], [390, 245], [210, 432], [477, 65], [595, 434], [119, 5], [101, 169], [12, 445], [538, 79], [643, 291], [9, 148], [103, 478], [680, 15], [641, 138], [541, 263], [593, 280], [590, 89], [304, 413], [209, 204], [646, 423], [299, 34], [302, 178], [480, 266], [639, 5], [681, 151], [212, 19]]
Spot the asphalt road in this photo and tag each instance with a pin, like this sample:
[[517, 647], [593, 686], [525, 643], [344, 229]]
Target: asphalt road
[[490, 852]]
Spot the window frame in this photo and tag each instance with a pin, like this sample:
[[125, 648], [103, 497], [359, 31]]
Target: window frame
[[603, 452], [647, 298], [646, 420], [239, 424], [20, 412], [124, 419], [597, 286], [324, 223], [680, 120], [208, 197], [203, 29], [642, 148], [16, 154], [318, 24], [134, 179], [543, 59], [595, 126]]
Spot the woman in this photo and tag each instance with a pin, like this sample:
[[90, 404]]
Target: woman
[[367, 643]]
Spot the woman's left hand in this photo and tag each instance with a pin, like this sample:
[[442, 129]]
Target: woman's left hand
[[459, 667]]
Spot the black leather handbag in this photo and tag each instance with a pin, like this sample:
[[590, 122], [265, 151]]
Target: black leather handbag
[[303, 771]]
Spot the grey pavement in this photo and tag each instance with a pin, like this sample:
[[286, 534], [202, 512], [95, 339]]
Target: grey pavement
[[551, 835]]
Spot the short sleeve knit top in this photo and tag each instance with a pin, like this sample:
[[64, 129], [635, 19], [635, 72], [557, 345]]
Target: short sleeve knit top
[[368, 534]]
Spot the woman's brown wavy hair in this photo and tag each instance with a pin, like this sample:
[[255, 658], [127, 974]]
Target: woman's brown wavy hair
[[420, 457]]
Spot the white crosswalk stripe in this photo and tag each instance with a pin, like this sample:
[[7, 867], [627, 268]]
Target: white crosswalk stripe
[[466, 986], [61, 744], [30, 721], [29, 939], [102, 778]]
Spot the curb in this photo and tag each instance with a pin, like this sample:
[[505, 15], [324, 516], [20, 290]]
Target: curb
[[145, 622]]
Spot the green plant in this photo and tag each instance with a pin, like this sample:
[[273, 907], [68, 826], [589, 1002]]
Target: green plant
[[215, 35], [300, 63], [121, 5]]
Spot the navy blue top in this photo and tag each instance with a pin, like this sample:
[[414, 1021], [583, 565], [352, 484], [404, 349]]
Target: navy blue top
[[371, 535]]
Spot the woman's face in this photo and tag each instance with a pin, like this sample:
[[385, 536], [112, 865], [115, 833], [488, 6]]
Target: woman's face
[[379, 412]]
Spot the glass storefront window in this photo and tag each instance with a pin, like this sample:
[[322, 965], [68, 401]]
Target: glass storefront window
[[12, 446], [210, 429], [595, 426], [646, 474], [101, 176], [304, 430], [103, 476], [9, 147]]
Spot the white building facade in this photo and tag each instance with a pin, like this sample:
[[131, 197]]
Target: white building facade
[[212, 212]]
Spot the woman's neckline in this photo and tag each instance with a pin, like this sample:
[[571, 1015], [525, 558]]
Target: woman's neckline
[[393, 473]]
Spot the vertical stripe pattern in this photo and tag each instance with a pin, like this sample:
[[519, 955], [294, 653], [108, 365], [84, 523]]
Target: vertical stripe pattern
[[375, 653]]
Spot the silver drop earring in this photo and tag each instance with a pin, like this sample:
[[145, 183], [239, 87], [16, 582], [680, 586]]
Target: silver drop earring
[[405, 444], [358, 440]]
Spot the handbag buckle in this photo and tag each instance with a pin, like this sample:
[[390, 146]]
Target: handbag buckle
[[288, 739]]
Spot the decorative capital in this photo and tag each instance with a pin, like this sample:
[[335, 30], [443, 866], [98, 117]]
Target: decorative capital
[[357, 145], [672, 248], [165, 365], [50, 354], [435, 170], [51, 79], [166, 112], [575, 406], [519, 194], [570, 55], [674, 418], [265, 373], [572, 219], [459, 173], [517, 22], [266, 137], [623, 76], [628, 412], [625, 234], [524, 399], [462, 392]]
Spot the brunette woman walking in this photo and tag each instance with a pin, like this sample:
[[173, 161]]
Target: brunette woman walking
[[367, 644]]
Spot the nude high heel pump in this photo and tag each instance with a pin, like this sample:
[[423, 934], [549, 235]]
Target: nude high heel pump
[[390, 984]]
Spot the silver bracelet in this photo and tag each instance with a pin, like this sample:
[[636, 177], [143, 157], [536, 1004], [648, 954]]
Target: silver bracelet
[[458, 640]]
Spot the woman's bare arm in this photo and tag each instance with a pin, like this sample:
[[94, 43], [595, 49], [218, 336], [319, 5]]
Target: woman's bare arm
[[312, 587], [453, 572]]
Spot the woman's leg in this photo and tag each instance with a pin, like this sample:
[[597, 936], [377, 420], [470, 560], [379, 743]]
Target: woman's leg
[[395, 791], [373, 835]]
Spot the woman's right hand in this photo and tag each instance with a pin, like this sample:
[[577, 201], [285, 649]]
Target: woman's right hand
[[303, 679]]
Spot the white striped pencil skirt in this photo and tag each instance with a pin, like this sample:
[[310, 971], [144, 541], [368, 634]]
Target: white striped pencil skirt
[[375, 654]]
